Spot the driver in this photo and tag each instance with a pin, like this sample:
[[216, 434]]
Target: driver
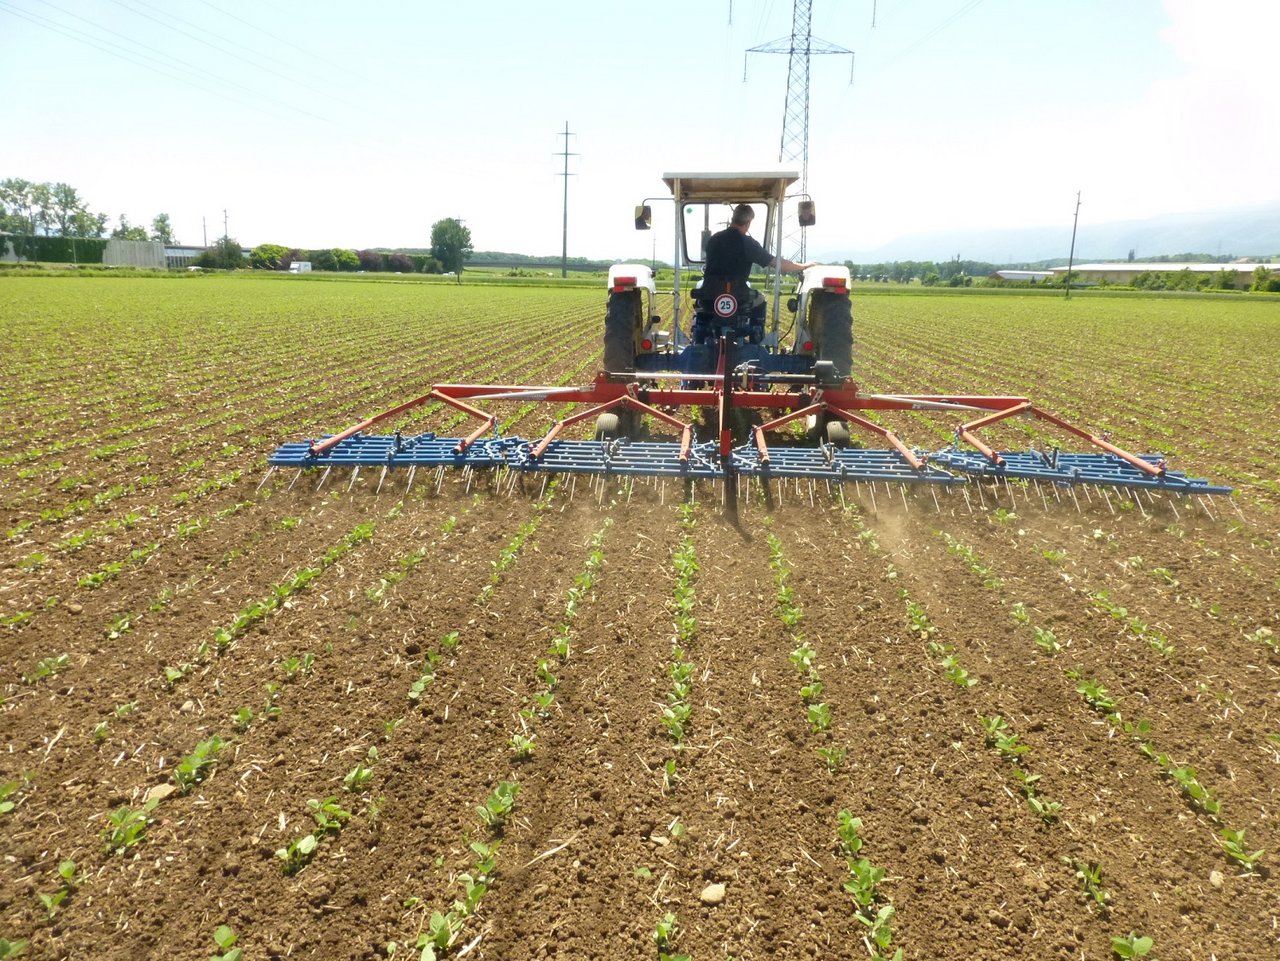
[[732, 252]]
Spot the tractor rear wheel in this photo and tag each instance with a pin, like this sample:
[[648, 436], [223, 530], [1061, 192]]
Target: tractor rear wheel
[[623, 323], [831, 324]]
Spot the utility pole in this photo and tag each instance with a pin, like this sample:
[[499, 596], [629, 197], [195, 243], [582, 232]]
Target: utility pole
[[226, 246], [204, 229], [564, 245], [798, 47], [1071, 257]]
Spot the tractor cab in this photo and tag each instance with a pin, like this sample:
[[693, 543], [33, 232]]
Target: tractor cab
[[708, 310]]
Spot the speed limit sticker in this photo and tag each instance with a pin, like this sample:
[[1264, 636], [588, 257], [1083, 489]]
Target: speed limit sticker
[[726, 305]]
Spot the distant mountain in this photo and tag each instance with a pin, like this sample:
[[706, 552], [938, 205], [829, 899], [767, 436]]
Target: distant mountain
[[1239, 233]]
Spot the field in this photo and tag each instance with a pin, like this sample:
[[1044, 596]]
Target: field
[[603, 722]]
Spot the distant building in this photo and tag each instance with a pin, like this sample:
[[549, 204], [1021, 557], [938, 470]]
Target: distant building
[[1030, 276]]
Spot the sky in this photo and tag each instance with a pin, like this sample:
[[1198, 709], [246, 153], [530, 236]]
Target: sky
[[326, 124]]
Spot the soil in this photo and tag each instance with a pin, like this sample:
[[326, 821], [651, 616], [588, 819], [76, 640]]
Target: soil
[[605, 839]]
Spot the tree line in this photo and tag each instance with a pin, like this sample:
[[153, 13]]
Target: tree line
[[57, 210], [450, 249]]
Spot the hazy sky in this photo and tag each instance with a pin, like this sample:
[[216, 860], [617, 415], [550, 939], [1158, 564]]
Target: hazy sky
[[359, 124]]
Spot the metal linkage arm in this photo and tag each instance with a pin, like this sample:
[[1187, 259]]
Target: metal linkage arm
[[907, 453], [686, 430], [966, 433]]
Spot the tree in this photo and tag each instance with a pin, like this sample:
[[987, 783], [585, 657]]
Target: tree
[[346, 259], [85, 224], [451, 243], [127, 231], [226, 253], [162, 229], [65, 203], [268, 257], [24, 204]]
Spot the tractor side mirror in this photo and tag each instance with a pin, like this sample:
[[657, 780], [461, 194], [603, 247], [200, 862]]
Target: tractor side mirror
[[644, 217], [793, 304], [807, 213]]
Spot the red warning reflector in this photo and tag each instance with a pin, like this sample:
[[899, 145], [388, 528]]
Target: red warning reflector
[[808, 345], [834, 283], [623, 283], [646, 344]]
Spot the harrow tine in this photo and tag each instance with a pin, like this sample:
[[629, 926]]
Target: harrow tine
[[874, 508], [573, 486], [265, 478], [811, 493], [1173, 505], [324, 477], [902, 489], [982, 496], [1107, 498], [1077, 500], [294, 481], [466, 473], [967, 503], [1137, 498], [1200, 498], [934, 494], [354, 475], [543, 493], [381, 478], [409, 483], [1239, 513]]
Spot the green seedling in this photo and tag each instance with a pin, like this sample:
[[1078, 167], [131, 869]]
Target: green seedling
[[880, 934], [291, 667], [833, 757], [669, 775], [11, 949], [1199, 795], [358, 778], [241, 719], [811, 691], [864, 876], [226, 939], [442, 931], [7, 790], [449, 641], [1019, 613], [920, 623], [849, 826], [270, 709], [956, 673], [1096, 696], [522, 745], [1047, 810], [47, 667], [803, 657], [499, 805], [993, 727], [819, 717], [665, 931], [67, 872], [328, 814], [1090, 878], [1133, 946], [298, 853], [101, 731], [1047, 641], [194, 768], [1234, 845], [126, 827]]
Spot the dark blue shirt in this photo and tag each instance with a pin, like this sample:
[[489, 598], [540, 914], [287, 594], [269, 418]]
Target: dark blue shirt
[[731, 253]]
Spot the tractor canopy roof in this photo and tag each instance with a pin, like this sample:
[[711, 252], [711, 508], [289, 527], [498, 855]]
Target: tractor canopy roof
[[730, 188]]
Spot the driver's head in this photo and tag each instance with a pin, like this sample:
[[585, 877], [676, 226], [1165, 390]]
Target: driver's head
[[743, 214]]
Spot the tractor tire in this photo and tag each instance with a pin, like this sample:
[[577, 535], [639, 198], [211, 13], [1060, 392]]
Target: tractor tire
[[623, 324], [831, 324]]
